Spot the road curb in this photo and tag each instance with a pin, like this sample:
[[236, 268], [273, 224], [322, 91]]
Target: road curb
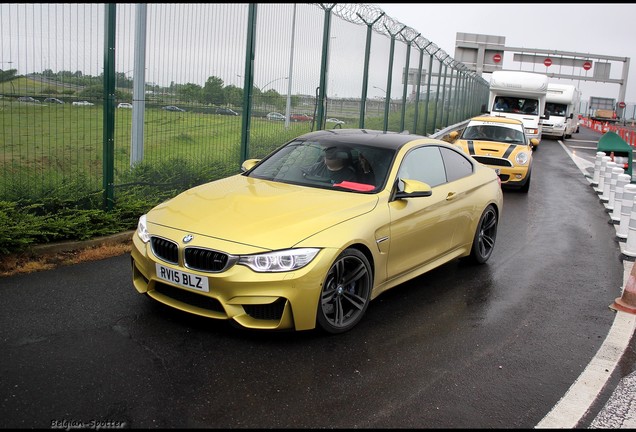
[[67, 246]]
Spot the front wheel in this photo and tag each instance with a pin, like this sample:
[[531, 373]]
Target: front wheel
[[526, 187], [485, 235], [346, 292]]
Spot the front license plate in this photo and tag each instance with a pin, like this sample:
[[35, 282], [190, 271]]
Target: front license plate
[[183, 279]]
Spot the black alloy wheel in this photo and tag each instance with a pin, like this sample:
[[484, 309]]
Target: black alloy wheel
[[346, 292], [485, 235]]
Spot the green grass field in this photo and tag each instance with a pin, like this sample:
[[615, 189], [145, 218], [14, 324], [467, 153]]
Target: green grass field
[[43, 145], [52, 162], [46, 147]]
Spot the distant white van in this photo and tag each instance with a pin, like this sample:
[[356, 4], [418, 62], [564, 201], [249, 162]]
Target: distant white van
[[562, 102]]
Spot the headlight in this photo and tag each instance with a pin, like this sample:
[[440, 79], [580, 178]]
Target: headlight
[[522, 158], [142, 231], [279, 261]]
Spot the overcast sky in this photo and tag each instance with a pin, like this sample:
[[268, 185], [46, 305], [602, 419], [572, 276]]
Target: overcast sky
[[602, 29]]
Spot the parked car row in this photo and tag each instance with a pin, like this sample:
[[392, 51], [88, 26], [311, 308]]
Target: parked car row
[[53, 100], [293, 117], [226, 111], [275, 116], [300, 117], [28, 99], [297, 117], [335, 121], [173, 108]]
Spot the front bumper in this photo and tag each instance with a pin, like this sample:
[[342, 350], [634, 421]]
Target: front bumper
[[514, 178], [274, 301], [552, 131]]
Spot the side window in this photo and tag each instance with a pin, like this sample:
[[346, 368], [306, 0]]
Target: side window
[[424, 164], [457, 165]]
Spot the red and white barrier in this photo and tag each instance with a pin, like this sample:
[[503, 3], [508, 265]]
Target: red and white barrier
[[629, 135]]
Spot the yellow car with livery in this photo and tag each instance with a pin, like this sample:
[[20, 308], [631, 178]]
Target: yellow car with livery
[[501, 144]]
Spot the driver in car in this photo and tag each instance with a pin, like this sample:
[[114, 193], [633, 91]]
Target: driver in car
[[334, 166]]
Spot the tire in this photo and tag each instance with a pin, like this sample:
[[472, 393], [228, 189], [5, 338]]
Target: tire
[[485, 235], [346, 292], [526, 187]]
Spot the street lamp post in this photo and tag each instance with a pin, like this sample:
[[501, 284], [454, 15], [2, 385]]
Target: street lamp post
[[379, 88], [272, 81], [12, 86], [126, 79], [291, 69], [263, 87]]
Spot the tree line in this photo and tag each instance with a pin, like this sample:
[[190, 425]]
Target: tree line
[[213, 92]]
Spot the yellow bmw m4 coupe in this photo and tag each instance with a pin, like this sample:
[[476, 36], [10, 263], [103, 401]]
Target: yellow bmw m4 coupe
[[306, 237]]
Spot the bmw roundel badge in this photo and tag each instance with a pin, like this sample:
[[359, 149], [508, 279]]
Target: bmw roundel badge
[[188, 238]]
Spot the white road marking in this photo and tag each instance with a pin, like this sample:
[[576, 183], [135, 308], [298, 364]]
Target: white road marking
[[582, 394]]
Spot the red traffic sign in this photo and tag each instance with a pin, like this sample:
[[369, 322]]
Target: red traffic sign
[[587, 65], [496, 58], [547, 61], [622, 105]]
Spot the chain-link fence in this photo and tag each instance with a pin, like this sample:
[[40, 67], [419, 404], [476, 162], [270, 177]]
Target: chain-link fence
[[94, 94]]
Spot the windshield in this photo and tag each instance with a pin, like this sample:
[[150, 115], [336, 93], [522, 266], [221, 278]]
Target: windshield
[[342, 166], [556, 109], [511, 104], [491, 132]]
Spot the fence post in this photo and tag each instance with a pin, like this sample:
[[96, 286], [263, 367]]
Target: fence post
[[108, 153]]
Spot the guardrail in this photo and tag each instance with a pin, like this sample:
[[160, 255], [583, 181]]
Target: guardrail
[[443, 133]]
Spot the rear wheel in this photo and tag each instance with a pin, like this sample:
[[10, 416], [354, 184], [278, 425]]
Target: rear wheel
[[346, 292], [485, 235]]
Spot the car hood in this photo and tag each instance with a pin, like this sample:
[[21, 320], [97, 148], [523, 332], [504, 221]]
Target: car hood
[[491, 148], [260, 213]]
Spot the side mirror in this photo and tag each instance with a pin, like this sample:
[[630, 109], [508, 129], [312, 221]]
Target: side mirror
[[249, 164], [413, 189], [483, 108], [534, 142], [546, 115], [571, 115]]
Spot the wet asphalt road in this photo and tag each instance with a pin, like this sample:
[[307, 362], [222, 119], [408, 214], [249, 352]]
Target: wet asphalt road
[[493, 346]]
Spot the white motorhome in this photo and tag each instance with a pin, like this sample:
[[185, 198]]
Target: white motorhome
[[562, 102], [519, 95]]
